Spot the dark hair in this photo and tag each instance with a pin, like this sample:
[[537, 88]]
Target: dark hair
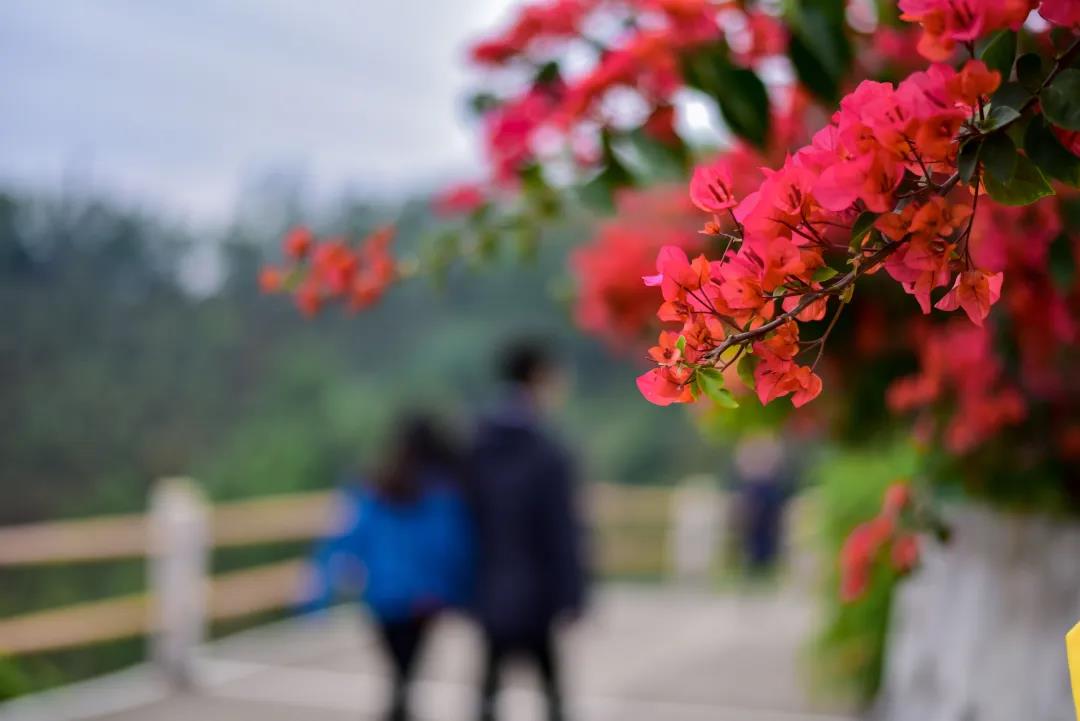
[[418, 445], [525, 361]]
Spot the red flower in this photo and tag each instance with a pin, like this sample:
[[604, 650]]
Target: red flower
[[460, 199], [897, 497], [711, 188], [1061, 12], [664, 386], [660, 125], [298, 242], [271, 279], [309, 299], [974, 291], [905, 552], [946, 22]]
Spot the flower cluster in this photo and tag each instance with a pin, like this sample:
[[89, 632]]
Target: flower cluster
[[946, 23], [960, 369], [958, 364], [644, 58], [884, 145], [883, 533], [319, 271], [535, 26]]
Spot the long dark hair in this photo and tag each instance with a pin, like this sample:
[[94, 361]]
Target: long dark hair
[[419, 444]]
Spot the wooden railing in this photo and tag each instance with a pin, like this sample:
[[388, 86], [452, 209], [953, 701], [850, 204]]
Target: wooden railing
[[179, 531]]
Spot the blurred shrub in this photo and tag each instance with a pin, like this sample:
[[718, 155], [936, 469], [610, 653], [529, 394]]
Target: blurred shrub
[[12, 681], [849, 650]]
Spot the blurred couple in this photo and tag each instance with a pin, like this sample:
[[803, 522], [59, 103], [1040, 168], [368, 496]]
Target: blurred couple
[[494, 530]]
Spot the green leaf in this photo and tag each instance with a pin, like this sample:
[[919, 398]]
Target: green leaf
[[742, 97], [1061, 100], [819, 48], [744, 102], [1062, 265], [999, 116], [823, 273], [999, 156], [1051, 157], [487, 244], [1025, 187], [1000, 52], [861, 227], [1016, 130], [812, 73], [820, 26], [656, 161], [711, 382], [483, 103], [746, 367], [599, 192], [548, 73], [968, 159], [681, 343], [1029, 71], [1010, 94]]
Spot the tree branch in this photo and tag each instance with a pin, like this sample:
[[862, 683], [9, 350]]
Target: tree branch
[[833, 289]]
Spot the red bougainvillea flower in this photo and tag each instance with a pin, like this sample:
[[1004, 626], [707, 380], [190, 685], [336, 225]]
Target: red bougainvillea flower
[[896, 499], [925, 262], [958, 366], [947, 22], [538, 22], [333, 269], [1070, 139], [660, 125], [905, 552], [711, 188], [309, 298], [666, 385], [1061, 12], [973, 81], [778, 374], [460, 199], [298, 242], [974, 291], [868, 541], [271, 279], [857, 556], [510, 128]]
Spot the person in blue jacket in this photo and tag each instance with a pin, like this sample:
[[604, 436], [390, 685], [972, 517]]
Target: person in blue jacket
[[408, 537], [532, 571]]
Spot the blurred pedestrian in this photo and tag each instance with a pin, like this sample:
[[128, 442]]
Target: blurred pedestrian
[[531, 569], [764, 485], [409, 540]]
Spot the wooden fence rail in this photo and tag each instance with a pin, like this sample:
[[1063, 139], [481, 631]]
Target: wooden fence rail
[[176, 536]]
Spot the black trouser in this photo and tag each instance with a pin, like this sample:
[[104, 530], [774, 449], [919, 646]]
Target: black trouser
[[402, 641], [539, 649]]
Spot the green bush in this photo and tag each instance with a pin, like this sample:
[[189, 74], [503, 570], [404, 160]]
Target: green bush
[[849, 650]]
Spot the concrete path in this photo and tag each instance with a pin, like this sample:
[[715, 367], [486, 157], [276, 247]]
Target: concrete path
[[644, 654]]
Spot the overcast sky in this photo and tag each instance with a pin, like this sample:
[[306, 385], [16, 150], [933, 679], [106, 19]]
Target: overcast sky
[[175, 105]]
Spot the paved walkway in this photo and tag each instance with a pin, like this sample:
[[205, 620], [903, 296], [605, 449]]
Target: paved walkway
[[645, 654]]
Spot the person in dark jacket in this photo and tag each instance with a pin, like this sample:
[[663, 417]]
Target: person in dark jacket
[[530, 556], [408, 535]]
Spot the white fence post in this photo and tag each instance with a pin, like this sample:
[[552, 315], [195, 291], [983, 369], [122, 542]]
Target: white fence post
[[697, 516], [179, 528]]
